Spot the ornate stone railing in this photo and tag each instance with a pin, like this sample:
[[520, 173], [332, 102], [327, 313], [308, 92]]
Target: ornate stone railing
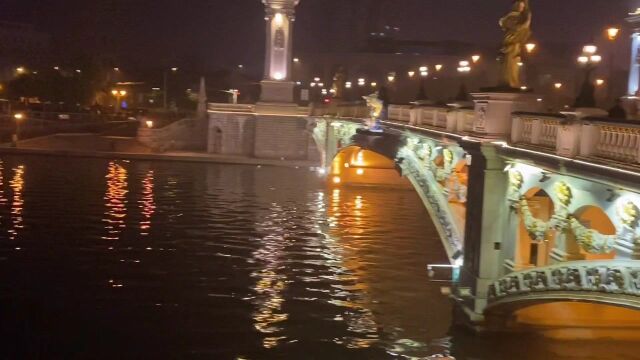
[[400, 113], [613, 277], [536, 129], [617, 141]]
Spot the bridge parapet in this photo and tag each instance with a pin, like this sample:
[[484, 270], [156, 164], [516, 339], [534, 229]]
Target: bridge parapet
[[588, 277]]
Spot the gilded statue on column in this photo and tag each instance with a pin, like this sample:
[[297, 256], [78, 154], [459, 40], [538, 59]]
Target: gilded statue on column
[[517, 31]]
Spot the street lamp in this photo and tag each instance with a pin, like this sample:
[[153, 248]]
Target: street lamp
[[166, 85], [391, 77], [19, 117], [411, 74], [475, 58], [530, 47], [464, 67], [589, 60], [612, 33], [118, 94], [438, 67], [422, 92]]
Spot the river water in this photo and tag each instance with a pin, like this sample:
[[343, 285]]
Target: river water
[[121, 259]]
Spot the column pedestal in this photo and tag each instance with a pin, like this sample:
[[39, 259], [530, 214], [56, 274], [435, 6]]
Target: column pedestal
[[493, 118]]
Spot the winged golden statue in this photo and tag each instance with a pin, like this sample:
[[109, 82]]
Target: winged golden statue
[[517, 31]]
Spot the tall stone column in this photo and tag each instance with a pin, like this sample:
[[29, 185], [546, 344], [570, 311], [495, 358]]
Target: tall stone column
[[277, 85]]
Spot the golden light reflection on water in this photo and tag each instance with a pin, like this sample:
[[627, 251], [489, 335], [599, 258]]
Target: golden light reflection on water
[[147, 203], [352, 296], [17, 205], [271, 283], [115, 201]]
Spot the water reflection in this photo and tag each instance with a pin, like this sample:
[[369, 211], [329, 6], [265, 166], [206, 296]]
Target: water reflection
[[147, 203], [115, 201], [271, 282], [17, 206]]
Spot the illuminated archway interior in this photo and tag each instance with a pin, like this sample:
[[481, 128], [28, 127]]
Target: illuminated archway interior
[[356, 166]]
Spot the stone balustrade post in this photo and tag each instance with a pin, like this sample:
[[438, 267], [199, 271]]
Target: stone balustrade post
[[536, 131], [568, 140], [517, 126], [589, 138]]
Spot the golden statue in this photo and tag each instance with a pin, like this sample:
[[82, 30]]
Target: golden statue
[[337, 88], [517, 31]]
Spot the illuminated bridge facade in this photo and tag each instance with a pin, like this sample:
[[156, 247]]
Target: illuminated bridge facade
[[541, 220]]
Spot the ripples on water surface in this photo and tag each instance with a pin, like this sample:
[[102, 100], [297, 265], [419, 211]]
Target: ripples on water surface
[[118, 259]]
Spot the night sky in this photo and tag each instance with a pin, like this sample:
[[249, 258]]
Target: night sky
[[216, 33]]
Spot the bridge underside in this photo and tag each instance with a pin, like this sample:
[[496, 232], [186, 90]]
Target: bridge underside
[[568, 316]]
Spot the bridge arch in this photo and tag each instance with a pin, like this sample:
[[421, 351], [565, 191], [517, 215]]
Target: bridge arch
[[394, 159], [569, 316]]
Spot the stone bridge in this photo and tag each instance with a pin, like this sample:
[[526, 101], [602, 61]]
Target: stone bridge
[[538, 212]]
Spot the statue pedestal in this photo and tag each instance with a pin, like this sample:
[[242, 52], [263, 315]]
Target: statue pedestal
[[277, 92], [493, 111]]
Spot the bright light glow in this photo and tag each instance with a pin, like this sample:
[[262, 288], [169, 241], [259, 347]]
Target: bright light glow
[[583, 59], [612, 33], [557, 85], [411, 73], [240, 66], [374, 84], [475, 58], [348, 85], [424, 73], [539, 100], [523, 88], [278, 19], [423, 68], [589, 49], [116, 69], [463, 63], [346, 165], [324, 91], [78, 71], [312, 84], [316, 79], [360, 171], [296, 60], [333, 91], [321, 84], [278, 76], [520, 63], [391, 77], [599, 82], [149, 124], [298, 83], [530, 47], [439, 67], [596, 58], [337, 180], [123, 92], [361, 82], [56, 68], [18, 116], [21, 70], [174, 69]]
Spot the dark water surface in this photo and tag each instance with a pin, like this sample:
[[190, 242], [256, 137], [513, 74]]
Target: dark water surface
[[150, 260]]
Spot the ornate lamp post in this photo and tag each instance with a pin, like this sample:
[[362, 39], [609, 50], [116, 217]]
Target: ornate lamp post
[[463, 69], [277, 86], [422, 93], [589, 60], [612, 35], [119, 94]]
